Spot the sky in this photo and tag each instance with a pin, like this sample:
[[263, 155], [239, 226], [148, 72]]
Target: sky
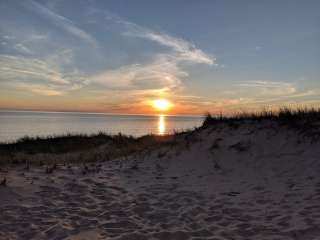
[[118, 56]]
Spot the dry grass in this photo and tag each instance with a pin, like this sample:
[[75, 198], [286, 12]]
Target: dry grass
[[78, 148], [304, 120], [284, 115]]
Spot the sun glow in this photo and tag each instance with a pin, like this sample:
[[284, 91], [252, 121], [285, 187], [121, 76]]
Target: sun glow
[[162, 104]]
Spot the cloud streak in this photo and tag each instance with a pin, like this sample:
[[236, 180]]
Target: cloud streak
[[44, 63], [184, 50], [265, 93], [63, 22], [163, 74], [43, 77], [271, 88]]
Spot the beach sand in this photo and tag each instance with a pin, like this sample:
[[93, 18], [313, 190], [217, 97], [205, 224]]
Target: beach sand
[[254, 181]]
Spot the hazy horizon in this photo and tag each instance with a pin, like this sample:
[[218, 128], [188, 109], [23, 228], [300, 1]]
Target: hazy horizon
[[156, 114]]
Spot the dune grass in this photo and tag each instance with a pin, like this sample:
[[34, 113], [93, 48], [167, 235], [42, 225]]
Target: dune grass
[[305, 121], [78, 148], [56, 144], [284, 115]]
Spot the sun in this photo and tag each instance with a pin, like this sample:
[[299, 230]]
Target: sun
[[162, 104]]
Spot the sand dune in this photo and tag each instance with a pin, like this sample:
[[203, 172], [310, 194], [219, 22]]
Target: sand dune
[[252, 181]]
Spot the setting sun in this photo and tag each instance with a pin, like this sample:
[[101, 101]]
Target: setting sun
[[161, 104]]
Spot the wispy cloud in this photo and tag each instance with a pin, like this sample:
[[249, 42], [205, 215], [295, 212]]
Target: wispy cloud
[[22, 48], [184, 50], [29, 43], [62, 22], [44, 63], [270, 88], [39, 76], [264, 93], [162, 73], [39, 89]]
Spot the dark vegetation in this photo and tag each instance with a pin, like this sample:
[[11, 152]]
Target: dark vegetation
[[304, 120], [59, 144], [287, 116], [78, 148], [75, 143]]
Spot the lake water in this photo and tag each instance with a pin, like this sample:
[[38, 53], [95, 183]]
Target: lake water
[[14, 125]]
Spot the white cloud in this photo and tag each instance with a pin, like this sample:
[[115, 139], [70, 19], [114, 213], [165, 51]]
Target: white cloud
[[26, 41], [262, 93], [15, 67], [183, 49], [22, 48], [40, 68], [186, 51], [7, 37], [39, 89], [162, 73], [38, 75], [64, 22], [270, 88]]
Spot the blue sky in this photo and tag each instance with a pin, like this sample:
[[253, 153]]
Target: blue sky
[[118, 56]]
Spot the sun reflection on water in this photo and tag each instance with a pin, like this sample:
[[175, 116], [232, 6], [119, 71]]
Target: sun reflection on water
[[162, 125]]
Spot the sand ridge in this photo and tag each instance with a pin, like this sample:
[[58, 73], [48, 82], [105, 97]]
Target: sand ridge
[[215, 184]]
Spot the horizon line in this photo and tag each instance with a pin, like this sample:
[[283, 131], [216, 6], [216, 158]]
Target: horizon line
[[102, 113]]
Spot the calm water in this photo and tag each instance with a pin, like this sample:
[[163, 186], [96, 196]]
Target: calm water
[[14, 125]]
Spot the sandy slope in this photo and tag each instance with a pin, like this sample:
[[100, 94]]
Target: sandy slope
[[258, 181]]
